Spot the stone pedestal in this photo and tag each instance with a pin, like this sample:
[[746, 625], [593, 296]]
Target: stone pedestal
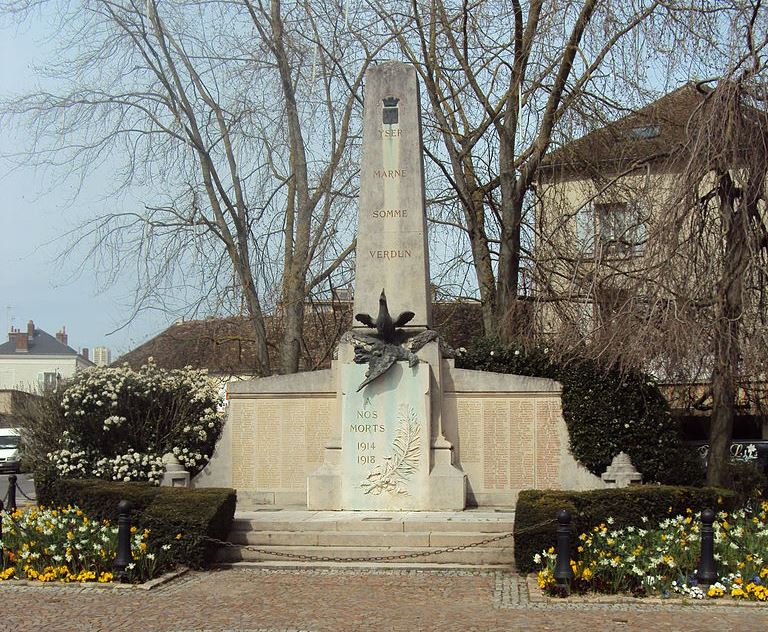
[[175, 474], [324, 484], [392, 454], [621, 472]]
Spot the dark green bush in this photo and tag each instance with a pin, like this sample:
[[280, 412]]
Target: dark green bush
[[197, 514], [626, 507], [747, 480], [606, 412]]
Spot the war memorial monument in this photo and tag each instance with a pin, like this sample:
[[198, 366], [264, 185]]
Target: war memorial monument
[[393, 425]]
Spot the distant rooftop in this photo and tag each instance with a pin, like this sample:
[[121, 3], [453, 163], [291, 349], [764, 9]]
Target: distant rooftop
[[35, 341]]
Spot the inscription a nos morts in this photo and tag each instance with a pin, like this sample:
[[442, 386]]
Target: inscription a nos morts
[[389, 254]]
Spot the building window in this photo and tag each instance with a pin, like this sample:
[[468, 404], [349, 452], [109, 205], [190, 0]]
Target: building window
[[585, 230], [48, 381], [622, 227]]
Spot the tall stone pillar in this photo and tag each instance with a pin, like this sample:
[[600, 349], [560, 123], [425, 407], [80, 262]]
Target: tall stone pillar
[[391, 237]]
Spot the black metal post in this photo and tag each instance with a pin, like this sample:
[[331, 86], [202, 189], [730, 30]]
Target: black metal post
[[12, 493], [563, 570], [123, 540], [707, 571], [1, 519]]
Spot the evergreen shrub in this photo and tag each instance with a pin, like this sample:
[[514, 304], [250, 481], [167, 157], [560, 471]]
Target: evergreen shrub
[[606, 411], [626, 507], [195, 514]]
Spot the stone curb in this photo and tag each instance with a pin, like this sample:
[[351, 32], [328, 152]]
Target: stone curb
[[148, 585]]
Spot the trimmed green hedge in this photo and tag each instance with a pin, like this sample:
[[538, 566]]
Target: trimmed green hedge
[[627, 506], [606, 412], [196, 514]]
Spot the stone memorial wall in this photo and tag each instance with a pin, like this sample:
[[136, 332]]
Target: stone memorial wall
[[508, 432]]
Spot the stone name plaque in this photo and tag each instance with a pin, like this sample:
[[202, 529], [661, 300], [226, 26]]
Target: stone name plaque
[[385, 438]]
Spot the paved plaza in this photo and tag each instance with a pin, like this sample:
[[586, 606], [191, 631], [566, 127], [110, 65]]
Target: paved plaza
[[266, 600]]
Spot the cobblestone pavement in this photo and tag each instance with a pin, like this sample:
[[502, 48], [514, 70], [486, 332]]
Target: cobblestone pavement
[[261, 600]]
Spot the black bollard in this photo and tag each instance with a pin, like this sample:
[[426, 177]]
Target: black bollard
[[563, 571], [123, 541], [12, 493], [1, 519], [707, 571]]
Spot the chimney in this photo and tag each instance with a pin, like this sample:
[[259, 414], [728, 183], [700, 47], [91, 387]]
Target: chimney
[[12, 334], [84, 353], [22, 342], [61, 336], [30, 330]]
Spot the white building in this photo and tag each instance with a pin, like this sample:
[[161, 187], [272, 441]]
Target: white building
[[102, 356], [34, 361]]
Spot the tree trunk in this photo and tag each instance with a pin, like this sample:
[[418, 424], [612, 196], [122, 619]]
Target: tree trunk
[[293, 315], [726, 335], [254, 310], [509, 251], [474, 213]]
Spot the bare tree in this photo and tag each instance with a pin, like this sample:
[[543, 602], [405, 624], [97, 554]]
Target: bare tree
[[684, 297], [507, 81], [236, 122]]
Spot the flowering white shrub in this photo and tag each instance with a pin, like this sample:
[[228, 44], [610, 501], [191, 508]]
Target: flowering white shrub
[[120, 422]]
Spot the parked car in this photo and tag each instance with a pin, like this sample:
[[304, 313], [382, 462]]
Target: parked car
[[9, 450]]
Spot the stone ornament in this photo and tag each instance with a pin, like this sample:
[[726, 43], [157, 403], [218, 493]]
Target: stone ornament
[[391, 476], [175, 474], [621, 472]]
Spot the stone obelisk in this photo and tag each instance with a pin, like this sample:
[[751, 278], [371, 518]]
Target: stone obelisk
[[391, 238]]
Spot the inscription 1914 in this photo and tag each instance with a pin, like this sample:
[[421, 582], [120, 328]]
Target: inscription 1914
[[367, 422]]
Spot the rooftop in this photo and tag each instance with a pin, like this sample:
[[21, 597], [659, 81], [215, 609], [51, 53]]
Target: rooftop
[[650, 134], [226, 346], [35, 341]]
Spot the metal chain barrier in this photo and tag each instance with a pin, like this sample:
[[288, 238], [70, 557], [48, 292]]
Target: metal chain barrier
[[377, 558], [21, 491], [326, 558]]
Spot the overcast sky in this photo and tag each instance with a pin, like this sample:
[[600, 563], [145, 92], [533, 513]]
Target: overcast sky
[[33, 284]]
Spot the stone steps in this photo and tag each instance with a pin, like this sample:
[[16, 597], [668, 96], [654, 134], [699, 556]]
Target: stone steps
[[419, 537]]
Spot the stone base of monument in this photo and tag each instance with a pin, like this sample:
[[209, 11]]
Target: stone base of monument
[[282, 443], [393, 456], [297, 538]]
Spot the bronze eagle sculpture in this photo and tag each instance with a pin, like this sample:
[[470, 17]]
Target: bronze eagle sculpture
[[386, 328]]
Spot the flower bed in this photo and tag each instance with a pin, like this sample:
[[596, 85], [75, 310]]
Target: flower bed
[[64, 545], [661, 560]]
